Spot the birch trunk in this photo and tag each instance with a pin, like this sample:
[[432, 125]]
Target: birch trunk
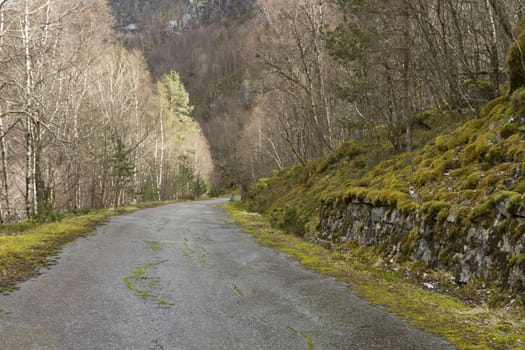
[[161, 160], [406, 78], [5, 182], [494, 48], [30, 195]]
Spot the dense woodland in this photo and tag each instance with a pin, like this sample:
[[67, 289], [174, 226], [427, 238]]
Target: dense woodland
[[94, 109], [281, 82], [82, 124]]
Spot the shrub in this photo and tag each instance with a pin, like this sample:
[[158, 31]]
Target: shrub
[[289, 220]]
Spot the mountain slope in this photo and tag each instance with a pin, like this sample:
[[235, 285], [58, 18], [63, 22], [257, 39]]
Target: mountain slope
[[205, 41]]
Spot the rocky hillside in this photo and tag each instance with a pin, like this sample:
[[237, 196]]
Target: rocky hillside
[[457, 203]]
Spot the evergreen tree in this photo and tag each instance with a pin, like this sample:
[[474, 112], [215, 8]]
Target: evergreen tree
[[177, 97]]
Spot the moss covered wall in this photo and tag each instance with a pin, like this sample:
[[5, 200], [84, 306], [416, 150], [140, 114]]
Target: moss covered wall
[[493, 251]]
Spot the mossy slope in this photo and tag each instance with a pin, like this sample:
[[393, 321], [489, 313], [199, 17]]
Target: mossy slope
[[474, 174]]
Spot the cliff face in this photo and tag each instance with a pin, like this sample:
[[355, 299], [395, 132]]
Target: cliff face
[[178, 15]]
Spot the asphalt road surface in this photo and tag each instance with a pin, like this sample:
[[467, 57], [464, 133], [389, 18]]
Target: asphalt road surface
[[184, 277]]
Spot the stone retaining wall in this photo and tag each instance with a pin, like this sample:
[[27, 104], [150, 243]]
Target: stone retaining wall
[[493, 252]]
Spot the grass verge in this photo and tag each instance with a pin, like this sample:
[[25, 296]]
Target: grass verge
[[27, 247], [465, 326]]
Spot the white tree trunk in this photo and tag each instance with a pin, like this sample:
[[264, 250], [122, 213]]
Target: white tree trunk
[[161, 160], [31, 203]]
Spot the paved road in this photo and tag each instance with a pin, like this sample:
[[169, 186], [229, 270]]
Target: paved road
[[184, 277]]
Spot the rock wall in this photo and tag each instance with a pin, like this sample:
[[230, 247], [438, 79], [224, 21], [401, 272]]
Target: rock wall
[[177, 15], [492, 251], [208, 11]]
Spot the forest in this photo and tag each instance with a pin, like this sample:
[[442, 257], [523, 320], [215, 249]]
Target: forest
[[82, 123], [95, 114], [289, 81], [381, 143]]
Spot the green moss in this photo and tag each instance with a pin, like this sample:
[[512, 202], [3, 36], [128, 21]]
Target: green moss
[[306, 336], [515, 148], [491, 180], [494, 155], [238, 290], [518, 97], [472, 181], [431, 116], [464, 133], [411, 241], [349, 150], [515, 202], [465, 326], [508, 130], [139, 273], [444, 143], [165, 305], [482, 213], [312, 225], [435, 210], [289, 219], [445, 257], [519, 186], [322, 165], [426, 176], [489, 108], [476, 150], [517, 259], [519, 231]]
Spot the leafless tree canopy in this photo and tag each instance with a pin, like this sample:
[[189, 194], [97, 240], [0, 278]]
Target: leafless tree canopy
[[79, 116]]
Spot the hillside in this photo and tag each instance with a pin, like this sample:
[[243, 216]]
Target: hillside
[[456, 204]]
